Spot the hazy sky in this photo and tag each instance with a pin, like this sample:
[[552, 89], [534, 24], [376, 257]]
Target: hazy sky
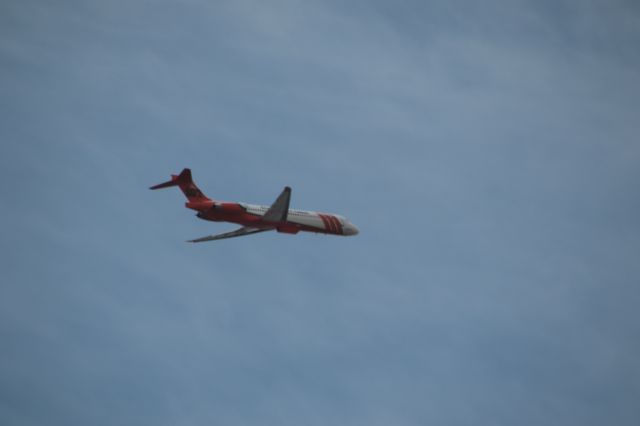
[[488, 152]]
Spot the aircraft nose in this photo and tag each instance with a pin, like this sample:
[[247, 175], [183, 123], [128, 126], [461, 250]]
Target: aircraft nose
[[350, 229]]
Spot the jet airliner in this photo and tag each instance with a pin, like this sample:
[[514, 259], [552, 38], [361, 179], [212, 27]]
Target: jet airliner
[[254, 218]]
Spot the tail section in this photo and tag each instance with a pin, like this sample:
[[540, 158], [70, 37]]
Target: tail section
[[186, 184]]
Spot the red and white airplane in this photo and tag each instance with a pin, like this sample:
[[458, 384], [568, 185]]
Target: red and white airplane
[[254, 218]]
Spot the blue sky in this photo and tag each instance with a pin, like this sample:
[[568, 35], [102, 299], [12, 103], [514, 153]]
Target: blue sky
[[488, 152]]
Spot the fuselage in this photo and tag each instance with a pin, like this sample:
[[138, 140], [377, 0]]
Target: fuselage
[[250, 215]]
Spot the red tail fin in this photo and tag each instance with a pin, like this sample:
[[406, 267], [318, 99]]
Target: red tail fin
[[186, 184]]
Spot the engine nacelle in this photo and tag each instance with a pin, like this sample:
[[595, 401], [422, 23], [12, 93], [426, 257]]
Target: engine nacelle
[[200, 205], [231, 208]]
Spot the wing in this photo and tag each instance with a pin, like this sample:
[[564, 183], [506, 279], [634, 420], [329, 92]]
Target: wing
[[280, 208], [277, 213], [237, 233]]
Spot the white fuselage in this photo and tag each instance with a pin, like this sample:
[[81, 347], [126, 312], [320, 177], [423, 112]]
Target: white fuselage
[[321, 221]]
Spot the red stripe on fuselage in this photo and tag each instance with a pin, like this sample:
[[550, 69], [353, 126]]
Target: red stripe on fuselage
[[325, 220], [332, 224], [337, 224], [334, 229]]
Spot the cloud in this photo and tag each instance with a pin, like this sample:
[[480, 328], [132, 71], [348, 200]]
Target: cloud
[[487, 152]]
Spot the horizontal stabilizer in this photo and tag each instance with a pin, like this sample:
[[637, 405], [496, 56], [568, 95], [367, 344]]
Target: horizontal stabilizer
[[167, 184], [183, 178], [186, 184]]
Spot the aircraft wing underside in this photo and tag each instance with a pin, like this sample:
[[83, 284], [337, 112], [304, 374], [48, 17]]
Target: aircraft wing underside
[[278, 212], [237, 233]]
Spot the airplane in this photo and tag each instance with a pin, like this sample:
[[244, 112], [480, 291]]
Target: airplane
[[255, 218]]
